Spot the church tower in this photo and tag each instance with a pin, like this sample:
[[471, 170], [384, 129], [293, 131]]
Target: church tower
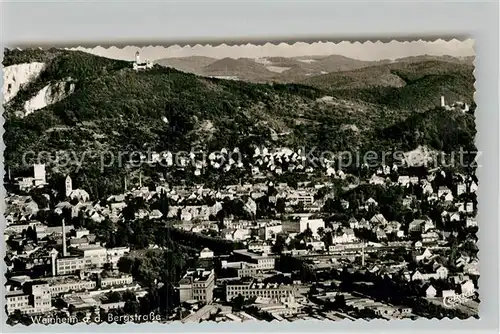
[[69, 185]]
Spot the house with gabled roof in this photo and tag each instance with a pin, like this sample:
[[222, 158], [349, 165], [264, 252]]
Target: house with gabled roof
[[467, 287], [381, 235], [414, 180], [454, 216], [378, 219], [419, 256], [371, 202], [427, 187], [417, 276], [430, 292], [404, 180], [377, 180], [353, 223], [444, 193], [363, 223]]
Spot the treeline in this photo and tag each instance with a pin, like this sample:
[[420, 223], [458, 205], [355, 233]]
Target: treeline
[[199, 241]]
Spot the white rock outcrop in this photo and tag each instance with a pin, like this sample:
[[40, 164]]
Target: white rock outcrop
[[48, 95], [15, 76]]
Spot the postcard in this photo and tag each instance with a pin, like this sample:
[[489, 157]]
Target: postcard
[[235, 183]]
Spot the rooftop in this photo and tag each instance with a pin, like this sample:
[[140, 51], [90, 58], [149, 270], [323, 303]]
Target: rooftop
[[251, 254], [15, 293]]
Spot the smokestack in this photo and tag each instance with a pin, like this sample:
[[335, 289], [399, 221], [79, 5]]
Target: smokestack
[[442, 101], [65, 252]]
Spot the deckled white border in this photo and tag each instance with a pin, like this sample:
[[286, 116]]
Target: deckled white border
[[366, 51], [407, 19]]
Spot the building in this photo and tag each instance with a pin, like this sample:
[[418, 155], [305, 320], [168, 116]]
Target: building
[[120, 280], [95, 256], [69, 265], [38, 178], [444, 193], [304, 223], [345, 237], [68, 183], [420, 225], [206, 253], [138, 65], [461, 189], [197, 285], [34, 298], [114, 254], [467, 287], [430, 292], [19, 228], [252, 289], [441, 273], [262, 261], [419, 255], [17, 300], [85, 257], [301, 197], [241, 269], [246, 270], [39, 174], [59, 285], [270, 231]]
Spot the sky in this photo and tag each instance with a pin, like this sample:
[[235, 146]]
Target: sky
[[364, 51]]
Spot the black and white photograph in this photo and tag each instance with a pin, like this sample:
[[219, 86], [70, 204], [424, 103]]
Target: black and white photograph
[[241, 182]]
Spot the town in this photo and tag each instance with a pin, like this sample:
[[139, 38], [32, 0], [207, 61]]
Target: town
[[288, 241]]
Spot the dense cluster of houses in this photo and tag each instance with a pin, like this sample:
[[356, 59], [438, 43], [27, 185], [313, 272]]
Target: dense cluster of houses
[[303, 227]]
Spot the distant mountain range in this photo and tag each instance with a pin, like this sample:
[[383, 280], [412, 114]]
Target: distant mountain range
[[284, 70]]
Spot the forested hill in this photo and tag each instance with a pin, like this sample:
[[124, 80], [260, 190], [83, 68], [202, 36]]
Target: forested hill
[[112, 107], [407, 85]]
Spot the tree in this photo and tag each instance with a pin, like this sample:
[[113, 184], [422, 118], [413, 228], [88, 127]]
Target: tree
[[279, 244], [339, 301], [308, 233], [321, 232], [18, 317], [114, 296], [313, 290], [131, 307], [80, 316], [280, 205], [129, 296], [126, 264], [238, 302]]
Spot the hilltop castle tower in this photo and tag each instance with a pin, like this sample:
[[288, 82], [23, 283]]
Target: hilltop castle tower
[[138, 65], [137, 58]]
